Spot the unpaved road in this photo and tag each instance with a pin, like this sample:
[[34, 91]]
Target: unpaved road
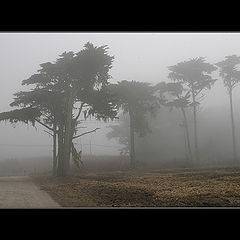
[[21, 192]]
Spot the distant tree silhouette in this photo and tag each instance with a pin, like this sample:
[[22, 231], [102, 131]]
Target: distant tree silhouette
[[231, 78], [195, 76], [174, 95], [121, 132], [136, 99]]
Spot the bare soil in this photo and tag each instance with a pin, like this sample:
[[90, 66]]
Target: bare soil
[[183, 187]]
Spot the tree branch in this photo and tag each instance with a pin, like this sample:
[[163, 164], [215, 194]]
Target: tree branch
[[198, 92], [48, 133], [79, 112], [85, 133], [44, 125]]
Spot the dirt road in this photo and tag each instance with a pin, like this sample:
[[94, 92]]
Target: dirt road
[[21, 192]]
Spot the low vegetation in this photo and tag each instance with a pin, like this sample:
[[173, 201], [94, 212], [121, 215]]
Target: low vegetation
[[171, 187]]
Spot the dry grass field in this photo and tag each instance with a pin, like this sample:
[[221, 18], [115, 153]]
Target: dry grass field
[[182, 187]]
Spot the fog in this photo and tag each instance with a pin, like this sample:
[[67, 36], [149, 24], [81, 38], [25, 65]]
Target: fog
[[142, 57]]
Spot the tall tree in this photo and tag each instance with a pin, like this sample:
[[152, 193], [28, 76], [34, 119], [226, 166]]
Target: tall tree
[[231, 78], [78, 79], [174, 95], [195, 76], [136, 99]]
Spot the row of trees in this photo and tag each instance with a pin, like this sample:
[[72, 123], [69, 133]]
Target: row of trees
[[78, 84], [187, 86], [190, 79]]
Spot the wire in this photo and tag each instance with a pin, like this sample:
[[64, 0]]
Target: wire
[[101, 145], [50, 145], [27, 145]]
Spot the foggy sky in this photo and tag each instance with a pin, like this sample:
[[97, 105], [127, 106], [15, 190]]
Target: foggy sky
[[138, 56]]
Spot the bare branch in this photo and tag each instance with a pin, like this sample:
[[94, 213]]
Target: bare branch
[[198, 92], [48, 133], [44, 125], [85, 133]]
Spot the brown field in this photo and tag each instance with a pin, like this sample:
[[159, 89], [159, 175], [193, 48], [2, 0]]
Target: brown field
[[182, 187]]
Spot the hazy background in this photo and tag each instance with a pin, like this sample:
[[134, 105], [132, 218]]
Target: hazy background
[[138, 56]]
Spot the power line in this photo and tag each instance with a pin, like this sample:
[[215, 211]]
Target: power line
[[26, 145], [49, 145], [99, 145]]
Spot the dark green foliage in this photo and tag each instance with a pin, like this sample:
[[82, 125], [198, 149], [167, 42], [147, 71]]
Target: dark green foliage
[[73, 78], [101, 105], [138, 98], [195, 74], [24, 115], [41, 80], [173, 94], [84, 70], [49, 101], [229, 72]]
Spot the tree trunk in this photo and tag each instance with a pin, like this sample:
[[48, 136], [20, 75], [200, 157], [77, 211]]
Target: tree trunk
[[68, 133], [195, 128], [132, 144], [187, 134], [54, 149], [185, 144], [233, 127], [60, 165]]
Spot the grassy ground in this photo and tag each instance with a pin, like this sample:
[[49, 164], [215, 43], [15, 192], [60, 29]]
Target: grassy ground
[[201, 187]]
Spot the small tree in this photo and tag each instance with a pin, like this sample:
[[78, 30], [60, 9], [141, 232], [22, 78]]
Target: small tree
[[231, 78], [195, 76]]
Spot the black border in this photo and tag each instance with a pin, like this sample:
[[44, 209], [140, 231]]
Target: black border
[[113, 16], [123, 218]]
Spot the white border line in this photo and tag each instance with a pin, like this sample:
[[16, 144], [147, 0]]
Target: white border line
[[118, 32]]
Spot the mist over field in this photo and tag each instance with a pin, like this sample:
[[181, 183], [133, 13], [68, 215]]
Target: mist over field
[[141, 57]]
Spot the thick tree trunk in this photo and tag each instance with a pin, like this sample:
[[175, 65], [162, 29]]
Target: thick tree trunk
[[132, 144], [187, 134], [68, 133], [233, 127], [195, 128], [65, 137]]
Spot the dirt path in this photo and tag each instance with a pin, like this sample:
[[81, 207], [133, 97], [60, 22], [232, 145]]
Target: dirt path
[[21, 192]]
